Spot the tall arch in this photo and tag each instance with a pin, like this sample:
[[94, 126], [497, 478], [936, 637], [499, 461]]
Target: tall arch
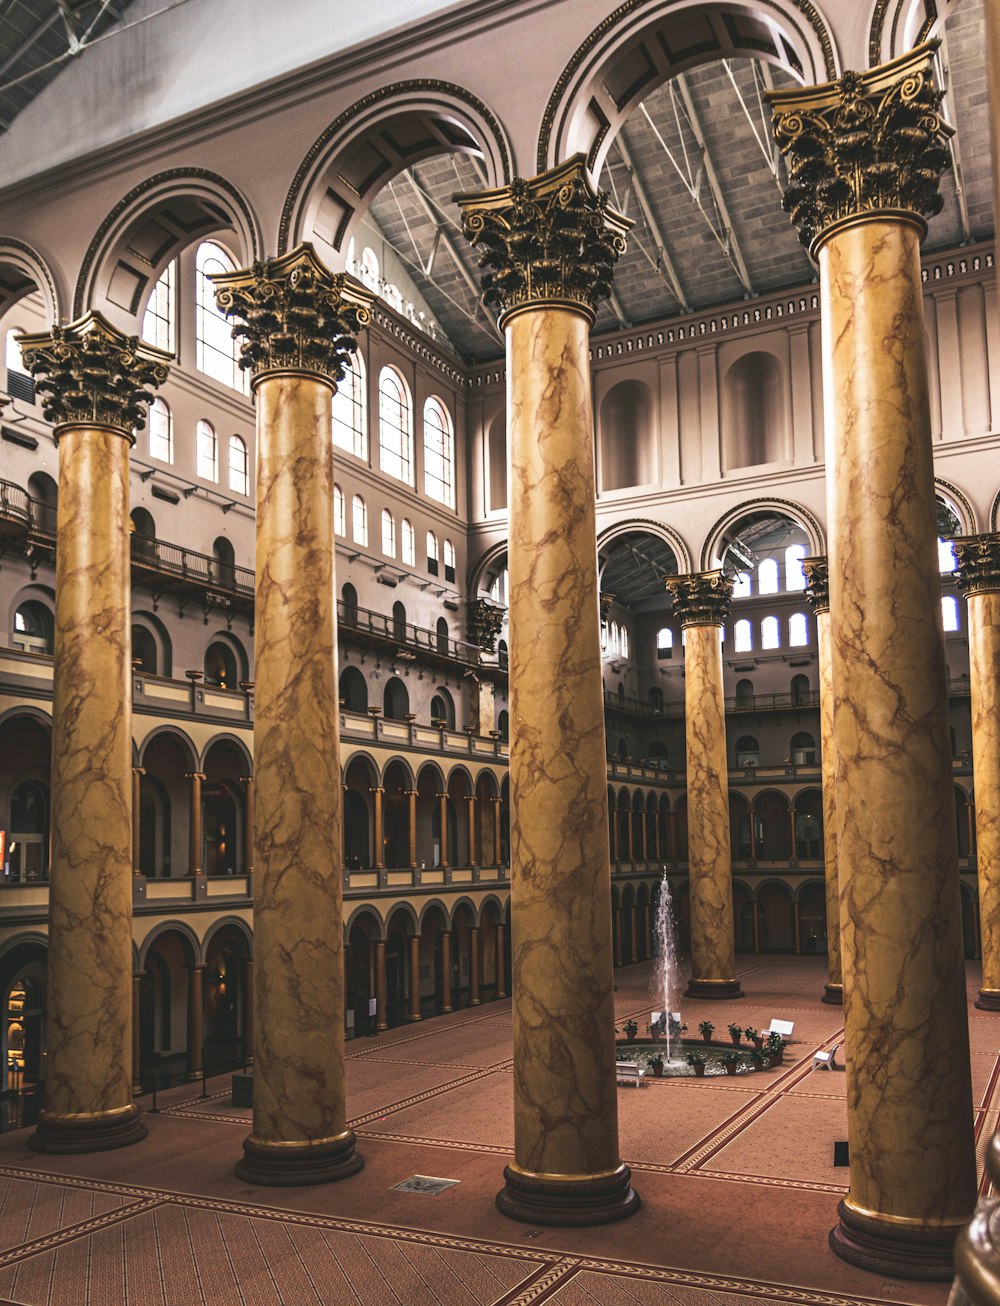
[[148, 227], [22, 271], [715, 539], [384, 132], [642, 43]]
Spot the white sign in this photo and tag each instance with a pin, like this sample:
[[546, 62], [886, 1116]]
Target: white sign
[[373, 1006]]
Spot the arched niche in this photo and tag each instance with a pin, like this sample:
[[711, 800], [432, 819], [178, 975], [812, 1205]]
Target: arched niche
[[627, 446], [148, 228], [496, 463], [640, 46], [380, 135], [755, 427], [24, 272]]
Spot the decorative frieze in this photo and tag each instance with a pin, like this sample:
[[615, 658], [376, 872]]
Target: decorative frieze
[[868, 143], [550, 239], [701, 599], [817, 571], [294, 315], [978, 563], [94, 375]]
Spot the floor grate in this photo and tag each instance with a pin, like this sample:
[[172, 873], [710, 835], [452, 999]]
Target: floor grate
[[425, 1184]]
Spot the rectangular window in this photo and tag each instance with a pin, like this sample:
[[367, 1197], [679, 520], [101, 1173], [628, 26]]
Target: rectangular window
[[158, 320]]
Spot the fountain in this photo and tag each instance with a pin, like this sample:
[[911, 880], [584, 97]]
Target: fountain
[[665, 982]]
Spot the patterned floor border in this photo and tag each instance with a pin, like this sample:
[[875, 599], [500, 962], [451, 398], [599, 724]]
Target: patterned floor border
[[556, 1269]]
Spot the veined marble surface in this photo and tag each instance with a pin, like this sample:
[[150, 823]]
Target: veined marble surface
[[828, 761], [984, 678]]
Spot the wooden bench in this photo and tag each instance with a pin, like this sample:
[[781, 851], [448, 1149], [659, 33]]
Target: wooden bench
[[629, 1072]]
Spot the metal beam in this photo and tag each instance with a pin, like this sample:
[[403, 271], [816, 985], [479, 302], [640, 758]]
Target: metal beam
[[664, 263], [944, 80]]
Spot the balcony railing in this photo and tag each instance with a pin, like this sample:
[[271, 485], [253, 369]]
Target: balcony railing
[[199, 570], [753, 703], [405, 635]]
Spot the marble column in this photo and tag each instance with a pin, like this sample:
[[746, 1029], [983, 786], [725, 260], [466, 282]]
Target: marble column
[[195, 1021], [378, 848], [411, 795], [864, 155], [247, 782], [818, 594], [137, 773], [297, 323], [443, 819], [701, 602], [617, 937], [471, 801], [501, 963], [195, 840], [248, 1010], [413, 944], [136, 1031], [381, 1022], [633, 924], [446, 1003], [548, 249], [978, 577], [474, 998], [97, 388], [613, 831], [497, 807]]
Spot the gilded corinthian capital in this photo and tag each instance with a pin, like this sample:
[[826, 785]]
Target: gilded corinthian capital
[[294, 315], [550, 239], [93, 374], [701, 599], [978, 563], [817, 572], [864, 146]]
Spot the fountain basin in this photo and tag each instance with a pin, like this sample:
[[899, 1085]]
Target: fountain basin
[[677, 1067]]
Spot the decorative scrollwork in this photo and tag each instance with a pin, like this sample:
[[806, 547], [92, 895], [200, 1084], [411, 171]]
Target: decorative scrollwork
[[702, 598], [864, 144], [93, 374], [484, 622], [978, 569], [817, 571], [294, 314], [548, 239]]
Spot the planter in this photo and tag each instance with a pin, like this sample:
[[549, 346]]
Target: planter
[[730, 1070], [631, 1037], [735, 1040], [758, 1044], [707, 1038], [657, 1072], [699, 1070]]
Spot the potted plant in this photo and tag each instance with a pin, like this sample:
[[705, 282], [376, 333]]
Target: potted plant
[[706, 1029], [754, 1036], [655, 1063], [775, 1048], [730, 1061], [631, 1029], [697, 1062], [735, 1033], [656, 1029], [758, 1060]]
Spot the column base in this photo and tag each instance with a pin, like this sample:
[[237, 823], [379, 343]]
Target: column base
[[833, 995], [988, 1000], [411, 1019], [900, 1251], [546, 1199], [193, 1077], [699, 988], [55, 1134], [294, 1165]]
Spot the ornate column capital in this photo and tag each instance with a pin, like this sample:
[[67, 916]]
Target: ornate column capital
[[817, 572], [978, 563], [294, 315], [546, 240], [869, 145], [702, 598], [94, 374], [485, 620]]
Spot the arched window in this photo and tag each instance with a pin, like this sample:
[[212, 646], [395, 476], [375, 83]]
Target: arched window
[[947, 562], [339, 511], [388, 533], [743, 637], [208, 451], [368, 269], [803, 749], [393, 296], [503, 725], [144, 650], [441, 630], [795, 577], [949, 612], [349, 598], [395, 426], [449, 560], [398, 622], [20, 384], [742, 585], [499, 589], [360, 521], [217, 352], [623, 637], [747, 751], [767, 577], [744, 693], [409, 543], [239, 465], [798, 629], [220, 666], [613, 637], [33, 628], [158, 319], [656, 699], [350, 429], [770, 633], [161, 431], [800, 690], [432, 553], [664, 643], [439, 453]]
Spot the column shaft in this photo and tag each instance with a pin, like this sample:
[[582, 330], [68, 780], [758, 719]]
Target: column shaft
[[380, 1013], [195, 1022], [195, 840], [412, 796], [443, 809], [446, 1004], [136, 1031], [984, 673], [474, 999], [377, 833], [497, 808], [471, 800], [413, 941], [299, 1133], [833, 992], [501, 963], [909, 1093], [88, 1080], [137, 773]]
